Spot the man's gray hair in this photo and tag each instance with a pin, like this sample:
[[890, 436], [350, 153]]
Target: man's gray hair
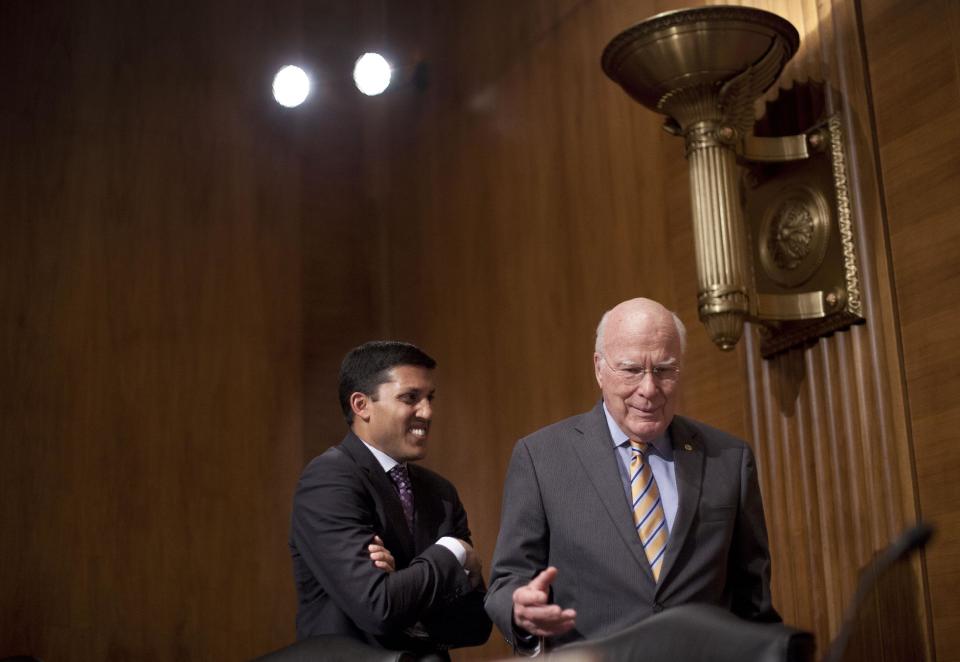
[[681, 331]]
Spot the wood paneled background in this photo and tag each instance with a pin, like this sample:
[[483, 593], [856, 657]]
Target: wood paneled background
[[184, 264], [171, 240], [914, 65]]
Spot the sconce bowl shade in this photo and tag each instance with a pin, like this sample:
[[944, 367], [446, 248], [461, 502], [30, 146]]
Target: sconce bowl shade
[[704, 46]]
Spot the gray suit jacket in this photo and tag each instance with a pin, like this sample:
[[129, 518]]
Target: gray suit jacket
[[564, 505]]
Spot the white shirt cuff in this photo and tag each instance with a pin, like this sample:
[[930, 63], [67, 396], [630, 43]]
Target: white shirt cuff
[[456, 547]]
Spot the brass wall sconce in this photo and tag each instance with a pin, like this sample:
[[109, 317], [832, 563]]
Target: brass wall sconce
[[773, 245]]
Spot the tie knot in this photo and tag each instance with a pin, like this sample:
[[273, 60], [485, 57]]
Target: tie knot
[[639, 446], [400, 476]]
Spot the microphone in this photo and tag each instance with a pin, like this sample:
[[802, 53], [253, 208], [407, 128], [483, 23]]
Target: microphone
[[910, 540]]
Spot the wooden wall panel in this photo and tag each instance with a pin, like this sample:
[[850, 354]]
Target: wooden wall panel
[[529, 194], [830, 420], [156, 311], [915, 70]]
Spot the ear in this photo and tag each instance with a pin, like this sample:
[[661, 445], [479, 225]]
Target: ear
[[596, 368], [360, 404]]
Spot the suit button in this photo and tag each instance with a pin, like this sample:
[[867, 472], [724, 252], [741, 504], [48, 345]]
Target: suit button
[[657, 607]]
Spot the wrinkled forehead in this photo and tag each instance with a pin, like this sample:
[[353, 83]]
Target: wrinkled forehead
[[641, 338]]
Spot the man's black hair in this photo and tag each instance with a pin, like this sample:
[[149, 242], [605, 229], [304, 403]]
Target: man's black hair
[[365, 367]]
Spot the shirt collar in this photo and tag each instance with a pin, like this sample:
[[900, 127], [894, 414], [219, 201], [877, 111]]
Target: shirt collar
[[662, 443], [385, 460]]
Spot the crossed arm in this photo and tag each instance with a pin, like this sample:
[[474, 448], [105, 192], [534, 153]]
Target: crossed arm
[[335, 529], [381, 556]]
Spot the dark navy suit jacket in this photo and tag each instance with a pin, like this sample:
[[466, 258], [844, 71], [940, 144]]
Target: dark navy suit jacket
[[343, 499]]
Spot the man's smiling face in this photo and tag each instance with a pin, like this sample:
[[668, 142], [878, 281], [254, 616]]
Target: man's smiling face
[[396, 420], [638, 368]]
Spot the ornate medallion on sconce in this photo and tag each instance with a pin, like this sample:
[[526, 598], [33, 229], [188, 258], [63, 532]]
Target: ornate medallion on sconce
[[806, 282], [794, 236]]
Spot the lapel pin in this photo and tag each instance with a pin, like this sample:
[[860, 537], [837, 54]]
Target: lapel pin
[[687, 447]]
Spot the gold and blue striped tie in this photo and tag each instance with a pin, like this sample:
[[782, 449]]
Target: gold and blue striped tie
[[648, 515]]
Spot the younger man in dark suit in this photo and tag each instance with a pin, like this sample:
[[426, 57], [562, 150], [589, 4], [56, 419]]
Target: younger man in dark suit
[[381, 547]]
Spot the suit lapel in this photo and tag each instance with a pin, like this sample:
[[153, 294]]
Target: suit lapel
[[688, 463], [599, 460], [385, 497], [428, 513]]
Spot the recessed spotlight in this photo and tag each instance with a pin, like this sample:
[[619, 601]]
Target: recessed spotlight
[[371, 74], [291, 86]]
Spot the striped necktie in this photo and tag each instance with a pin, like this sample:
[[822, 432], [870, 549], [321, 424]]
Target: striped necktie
[[648, 512]]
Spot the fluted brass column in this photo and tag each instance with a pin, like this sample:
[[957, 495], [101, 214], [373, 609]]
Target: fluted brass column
[[720, 236]]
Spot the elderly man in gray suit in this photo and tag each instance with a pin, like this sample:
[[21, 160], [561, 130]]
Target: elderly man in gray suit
[[628, 509]]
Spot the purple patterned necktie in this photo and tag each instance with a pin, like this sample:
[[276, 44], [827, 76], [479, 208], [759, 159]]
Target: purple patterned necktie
[[401, 480]]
